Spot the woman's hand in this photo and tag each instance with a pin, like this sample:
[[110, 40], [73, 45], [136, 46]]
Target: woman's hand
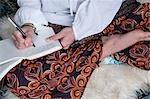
[[66, 37], [19, 41]]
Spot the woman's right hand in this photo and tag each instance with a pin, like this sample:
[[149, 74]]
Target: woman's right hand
[[19, 41]]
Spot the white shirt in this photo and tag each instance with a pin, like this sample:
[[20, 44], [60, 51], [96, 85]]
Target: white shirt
[[87, 17]]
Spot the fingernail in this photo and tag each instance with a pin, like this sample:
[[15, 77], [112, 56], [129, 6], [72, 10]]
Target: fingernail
[[19, 47]]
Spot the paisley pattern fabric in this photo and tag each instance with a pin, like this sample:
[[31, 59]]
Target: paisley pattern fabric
[[65, 73]]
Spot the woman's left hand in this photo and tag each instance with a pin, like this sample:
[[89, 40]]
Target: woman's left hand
[[66, 37]]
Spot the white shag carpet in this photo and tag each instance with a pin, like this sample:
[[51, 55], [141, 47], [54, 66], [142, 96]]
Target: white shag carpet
[[116, 82]]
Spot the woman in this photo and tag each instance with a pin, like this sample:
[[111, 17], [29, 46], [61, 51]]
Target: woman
[[67, 13], [65, 73]]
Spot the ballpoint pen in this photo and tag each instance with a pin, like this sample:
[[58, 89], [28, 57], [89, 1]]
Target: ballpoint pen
[[19, 29]]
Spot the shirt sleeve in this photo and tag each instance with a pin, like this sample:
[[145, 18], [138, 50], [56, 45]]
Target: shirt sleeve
[[30, 12], [93, 16]]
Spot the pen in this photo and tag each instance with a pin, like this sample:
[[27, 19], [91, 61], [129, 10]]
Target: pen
[[19, 29]]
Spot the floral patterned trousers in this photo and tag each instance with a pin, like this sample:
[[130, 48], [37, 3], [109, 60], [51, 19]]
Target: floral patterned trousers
[[65, 73]]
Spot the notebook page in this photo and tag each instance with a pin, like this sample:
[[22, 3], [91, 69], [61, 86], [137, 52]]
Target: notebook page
[[42, 47], [8, 51]]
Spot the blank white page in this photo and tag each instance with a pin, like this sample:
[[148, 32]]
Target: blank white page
[[9, 52]]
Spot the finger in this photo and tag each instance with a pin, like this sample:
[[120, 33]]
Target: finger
[[24, 29], [55, 37], [28, 41], [18, 37], [13, 37], [65, 44], [18, 45], [147, 39], [29, 32], [66, 47], [15, 42]]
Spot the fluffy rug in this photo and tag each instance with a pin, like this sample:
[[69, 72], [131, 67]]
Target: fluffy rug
[[6, 28], [7, 7], [118, 82]]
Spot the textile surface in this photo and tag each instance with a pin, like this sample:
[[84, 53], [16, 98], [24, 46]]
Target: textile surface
[[138, 54]]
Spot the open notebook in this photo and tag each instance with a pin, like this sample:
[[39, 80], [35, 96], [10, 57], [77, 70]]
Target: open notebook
[[10, 56]]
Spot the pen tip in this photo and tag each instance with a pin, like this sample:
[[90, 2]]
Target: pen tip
[[36, 33], [45, 25], [33, 45]]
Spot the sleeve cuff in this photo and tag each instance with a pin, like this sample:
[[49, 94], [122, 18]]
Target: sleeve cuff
[[23, 16], [75, 33]]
